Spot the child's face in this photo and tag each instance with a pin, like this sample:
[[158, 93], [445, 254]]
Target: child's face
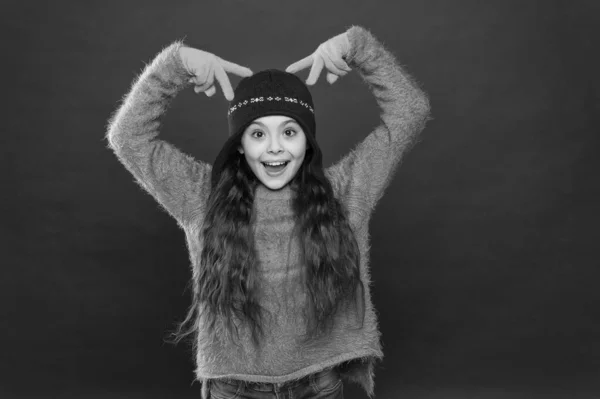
[[274, 138]]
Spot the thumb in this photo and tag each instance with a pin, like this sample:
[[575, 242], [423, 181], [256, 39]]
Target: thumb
[[331, 77], [210, 91]]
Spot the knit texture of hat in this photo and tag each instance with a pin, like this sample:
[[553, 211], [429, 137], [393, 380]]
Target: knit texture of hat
[[271, 92]]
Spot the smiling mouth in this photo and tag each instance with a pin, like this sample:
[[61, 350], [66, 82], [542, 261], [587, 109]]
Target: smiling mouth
[[275, 169]]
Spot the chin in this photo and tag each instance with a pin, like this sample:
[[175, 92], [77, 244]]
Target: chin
[[274, 185]]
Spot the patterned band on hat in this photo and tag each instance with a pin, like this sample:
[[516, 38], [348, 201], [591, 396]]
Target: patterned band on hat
[[254, 100]]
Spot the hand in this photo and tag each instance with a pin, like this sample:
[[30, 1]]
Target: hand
[[331, 54], [206, 67]]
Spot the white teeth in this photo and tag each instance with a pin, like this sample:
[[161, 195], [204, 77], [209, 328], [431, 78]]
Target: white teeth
[[275, 164]]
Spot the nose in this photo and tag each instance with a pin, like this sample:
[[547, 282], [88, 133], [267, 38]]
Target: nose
[[274, 146]]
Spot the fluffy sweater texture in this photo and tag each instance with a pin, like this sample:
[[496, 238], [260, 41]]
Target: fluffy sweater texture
[[181, 185]]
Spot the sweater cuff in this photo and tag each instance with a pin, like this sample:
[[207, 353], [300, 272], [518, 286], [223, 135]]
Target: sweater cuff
[[170, 63], [359, 38]]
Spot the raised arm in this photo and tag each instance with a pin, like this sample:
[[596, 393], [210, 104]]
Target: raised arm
[[361, 177], [177, 181]]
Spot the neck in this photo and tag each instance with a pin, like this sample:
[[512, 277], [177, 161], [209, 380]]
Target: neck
[[265, 192]]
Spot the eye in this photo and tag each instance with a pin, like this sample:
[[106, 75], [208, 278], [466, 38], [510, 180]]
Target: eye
[[290, 130], [253, 134]]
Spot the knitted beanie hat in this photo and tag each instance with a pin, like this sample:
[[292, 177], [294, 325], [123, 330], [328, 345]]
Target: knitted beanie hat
[[269, 92]]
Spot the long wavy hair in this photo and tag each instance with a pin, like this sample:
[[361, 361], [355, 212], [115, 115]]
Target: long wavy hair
[[225, 281]]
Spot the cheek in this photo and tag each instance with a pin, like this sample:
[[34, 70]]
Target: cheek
[[252, 152], [299, 150]]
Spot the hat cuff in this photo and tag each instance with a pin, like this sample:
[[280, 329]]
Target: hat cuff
[[241, 118]]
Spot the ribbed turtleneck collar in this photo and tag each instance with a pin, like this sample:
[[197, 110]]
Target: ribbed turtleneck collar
[[263, 192]]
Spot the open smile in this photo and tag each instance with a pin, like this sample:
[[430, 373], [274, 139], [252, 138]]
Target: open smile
[[275, 170]]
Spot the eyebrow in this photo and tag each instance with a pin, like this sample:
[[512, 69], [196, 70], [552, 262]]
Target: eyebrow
[[282, 123]]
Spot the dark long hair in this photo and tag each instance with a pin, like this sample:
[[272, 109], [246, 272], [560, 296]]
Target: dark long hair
[[225, 281]]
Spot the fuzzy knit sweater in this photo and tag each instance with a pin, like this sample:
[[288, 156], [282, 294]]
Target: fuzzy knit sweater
[[181, 185]]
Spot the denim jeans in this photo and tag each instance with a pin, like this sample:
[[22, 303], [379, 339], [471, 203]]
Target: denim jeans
[[325, 384]]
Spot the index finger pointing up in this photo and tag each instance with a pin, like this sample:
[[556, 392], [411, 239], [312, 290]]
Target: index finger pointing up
[[236, 69]]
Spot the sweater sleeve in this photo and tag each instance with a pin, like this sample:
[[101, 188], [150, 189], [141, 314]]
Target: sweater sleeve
[[178, 182], [360, 178]]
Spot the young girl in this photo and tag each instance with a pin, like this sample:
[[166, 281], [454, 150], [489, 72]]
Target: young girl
[[279, 245]]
